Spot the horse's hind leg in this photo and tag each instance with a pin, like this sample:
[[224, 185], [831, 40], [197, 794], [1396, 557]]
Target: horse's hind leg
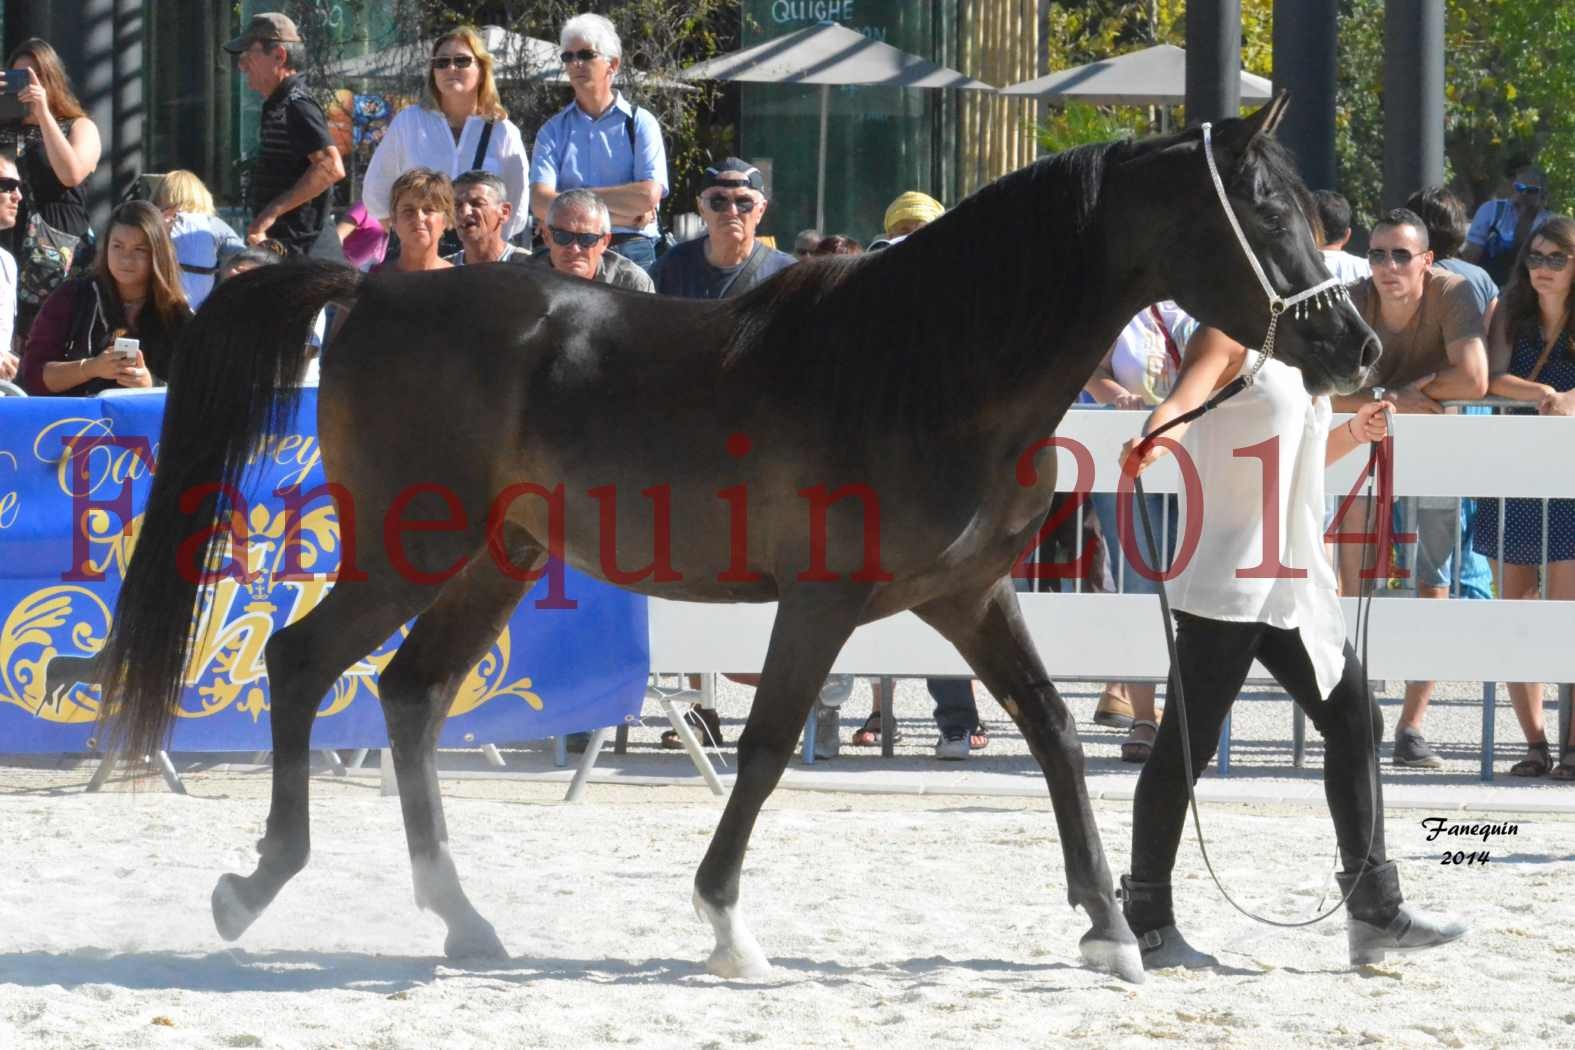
[[303, 661], [989, 632], [812, 623], [417, 688]]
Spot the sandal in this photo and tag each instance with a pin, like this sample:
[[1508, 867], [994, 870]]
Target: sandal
[[1135, 749], [706, 723], [1565, 770], [1537, 762], [979, 739], [868, 734]]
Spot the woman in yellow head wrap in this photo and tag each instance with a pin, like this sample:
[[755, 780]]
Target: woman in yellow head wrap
[[910, 211]]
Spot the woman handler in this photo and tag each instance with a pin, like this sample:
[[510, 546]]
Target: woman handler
[[1259, 586]]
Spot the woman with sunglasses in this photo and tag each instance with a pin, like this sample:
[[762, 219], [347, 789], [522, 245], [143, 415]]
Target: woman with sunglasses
[[134, 290], [1531, 357], [459, 126]]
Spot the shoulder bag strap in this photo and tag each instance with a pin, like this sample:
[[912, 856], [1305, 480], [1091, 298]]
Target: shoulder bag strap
[[748, 269], [1542, 360], [481, 146]]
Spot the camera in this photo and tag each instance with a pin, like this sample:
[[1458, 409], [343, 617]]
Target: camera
[[11, 109]]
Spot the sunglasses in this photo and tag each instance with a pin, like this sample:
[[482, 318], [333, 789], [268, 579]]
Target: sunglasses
[[1521, 187], [564, 238], [10, 185], [1400, 256], [457, 61], [1554, 261], [719, 202], [585, 54]]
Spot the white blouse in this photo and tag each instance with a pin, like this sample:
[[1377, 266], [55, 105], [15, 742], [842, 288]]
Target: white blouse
[[1233, 515], [418, 137]]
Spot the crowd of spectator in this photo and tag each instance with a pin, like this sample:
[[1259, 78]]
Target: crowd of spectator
[[1462, 308]]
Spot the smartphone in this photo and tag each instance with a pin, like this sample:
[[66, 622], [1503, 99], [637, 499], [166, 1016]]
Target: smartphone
[[11, 108], [126, 349]]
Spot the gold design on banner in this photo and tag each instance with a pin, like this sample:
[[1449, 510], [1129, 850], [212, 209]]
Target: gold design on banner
[[235, 619], [71, 615], [10, 498]]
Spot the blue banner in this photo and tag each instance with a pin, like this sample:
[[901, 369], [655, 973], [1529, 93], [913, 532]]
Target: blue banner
[[74, 475]]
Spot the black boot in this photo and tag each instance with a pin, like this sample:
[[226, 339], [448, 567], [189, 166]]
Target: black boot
[[1379, 920], [1147, 908]]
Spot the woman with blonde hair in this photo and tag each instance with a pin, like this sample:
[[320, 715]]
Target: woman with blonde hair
[[56, 147], [459, 126], [423, 207], [134, 290], [201, 238]]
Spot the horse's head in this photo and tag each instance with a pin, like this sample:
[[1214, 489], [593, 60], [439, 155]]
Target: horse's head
[[1211, 277]]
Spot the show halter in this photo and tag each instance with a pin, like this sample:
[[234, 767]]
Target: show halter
[[1325, 295]]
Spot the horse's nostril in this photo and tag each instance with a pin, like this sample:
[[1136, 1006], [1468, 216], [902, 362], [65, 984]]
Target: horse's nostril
[[1370, 351]]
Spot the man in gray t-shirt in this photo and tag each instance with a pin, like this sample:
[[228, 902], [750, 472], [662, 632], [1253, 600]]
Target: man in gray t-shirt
[[579, 229]]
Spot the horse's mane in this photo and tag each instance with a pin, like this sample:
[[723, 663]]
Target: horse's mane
[[922, 332]]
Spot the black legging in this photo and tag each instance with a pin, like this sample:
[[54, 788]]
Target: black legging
[[1214, 657]]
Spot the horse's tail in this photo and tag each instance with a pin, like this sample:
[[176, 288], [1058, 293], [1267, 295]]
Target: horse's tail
[[234, 379]]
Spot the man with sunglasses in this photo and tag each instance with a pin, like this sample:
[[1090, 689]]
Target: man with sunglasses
[[728, 260], [1502, 225], [579, 230], [602, 143], [297, 163], [10, 202], [1431, 329]]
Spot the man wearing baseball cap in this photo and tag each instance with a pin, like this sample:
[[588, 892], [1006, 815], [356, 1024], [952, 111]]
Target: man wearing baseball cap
[[728, 260], [296, 164]]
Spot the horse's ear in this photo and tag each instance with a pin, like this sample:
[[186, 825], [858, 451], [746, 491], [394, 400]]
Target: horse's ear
[[1267, 119]]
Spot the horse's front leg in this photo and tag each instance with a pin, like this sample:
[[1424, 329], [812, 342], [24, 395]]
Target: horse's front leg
[[989, 632], [813, 621]]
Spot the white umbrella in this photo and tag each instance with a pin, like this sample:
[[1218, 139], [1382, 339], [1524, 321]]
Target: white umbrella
[[1155, 76], [825, 54]]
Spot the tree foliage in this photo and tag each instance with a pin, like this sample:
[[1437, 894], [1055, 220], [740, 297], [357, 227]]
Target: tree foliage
[[1509, 82]]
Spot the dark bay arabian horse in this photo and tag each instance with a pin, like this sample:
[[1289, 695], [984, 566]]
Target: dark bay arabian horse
[[909, 383]]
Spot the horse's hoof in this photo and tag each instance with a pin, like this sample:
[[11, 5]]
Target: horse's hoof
[[1119, 957], [231, 914], [478, 942], [735, 965]]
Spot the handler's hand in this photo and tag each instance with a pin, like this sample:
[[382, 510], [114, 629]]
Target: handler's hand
[[1131, 466], [1371, 422]]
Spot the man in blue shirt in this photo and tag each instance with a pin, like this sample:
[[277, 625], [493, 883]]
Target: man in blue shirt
[[602, 143], [728, 260]]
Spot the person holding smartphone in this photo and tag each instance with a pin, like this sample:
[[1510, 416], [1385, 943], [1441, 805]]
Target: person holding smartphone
[[56, 148], [134, 291]]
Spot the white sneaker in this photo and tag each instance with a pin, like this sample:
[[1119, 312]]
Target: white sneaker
[[836, 690], [953, 746]]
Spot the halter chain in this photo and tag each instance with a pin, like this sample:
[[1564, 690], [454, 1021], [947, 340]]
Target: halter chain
[[1320, 296]]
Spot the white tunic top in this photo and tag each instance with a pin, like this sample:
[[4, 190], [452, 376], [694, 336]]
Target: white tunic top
[[1236, 517], [418, 137]]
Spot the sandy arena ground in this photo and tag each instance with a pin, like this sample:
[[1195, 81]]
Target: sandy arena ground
[[892, 921]]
